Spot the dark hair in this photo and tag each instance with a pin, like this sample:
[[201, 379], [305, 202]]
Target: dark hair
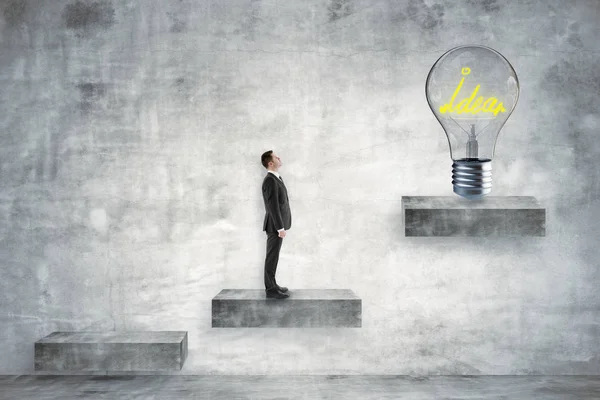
[[266, 157]]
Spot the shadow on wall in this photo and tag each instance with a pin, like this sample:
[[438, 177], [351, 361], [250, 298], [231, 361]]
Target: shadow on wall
[[84, 18], [14, 12]]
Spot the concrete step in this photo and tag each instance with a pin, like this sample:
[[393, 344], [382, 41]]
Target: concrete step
[[112, 351], [456, 216], [305, 308]]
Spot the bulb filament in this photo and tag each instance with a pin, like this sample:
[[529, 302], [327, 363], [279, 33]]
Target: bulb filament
[[465, 106]]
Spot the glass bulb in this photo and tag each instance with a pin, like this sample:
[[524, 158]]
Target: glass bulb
[[472, 90]]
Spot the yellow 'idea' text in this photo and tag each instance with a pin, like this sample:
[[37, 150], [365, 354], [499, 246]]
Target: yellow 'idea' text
[[465, 107]]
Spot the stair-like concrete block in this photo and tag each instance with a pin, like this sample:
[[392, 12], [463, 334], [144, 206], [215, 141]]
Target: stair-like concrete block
[[112, 351], [305, 308], [489, 216]]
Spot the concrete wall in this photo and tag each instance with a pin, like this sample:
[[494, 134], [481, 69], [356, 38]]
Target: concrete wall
[[131, 135]]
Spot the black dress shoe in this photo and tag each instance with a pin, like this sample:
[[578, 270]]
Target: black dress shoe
[[276, 294], [282, 289]]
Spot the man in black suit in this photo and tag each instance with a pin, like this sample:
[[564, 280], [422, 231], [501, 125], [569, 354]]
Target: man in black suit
[[278, 219]]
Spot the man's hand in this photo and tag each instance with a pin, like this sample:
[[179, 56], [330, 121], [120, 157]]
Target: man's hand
[[282, 233]]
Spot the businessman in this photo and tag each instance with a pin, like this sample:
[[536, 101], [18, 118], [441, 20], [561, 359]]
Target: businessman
[[278, 219]]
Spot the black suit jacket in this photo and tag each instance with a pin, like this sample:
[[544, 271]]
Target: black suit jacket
[[277, 207]]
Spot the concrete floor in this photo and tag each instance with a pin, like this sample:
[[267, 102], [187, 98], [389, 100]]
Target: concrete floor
[[215, 387]]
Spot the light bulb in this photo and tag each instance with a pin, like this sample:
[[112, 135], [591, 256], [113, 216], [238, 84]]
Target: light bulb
[[472, 90]]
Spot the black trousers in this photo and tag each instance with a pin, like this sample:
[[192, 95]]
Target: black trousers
[[274, 243]]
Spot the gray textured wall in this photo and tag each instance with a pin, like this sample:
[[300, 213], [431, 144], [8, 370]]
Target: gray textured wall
[[131, 134]]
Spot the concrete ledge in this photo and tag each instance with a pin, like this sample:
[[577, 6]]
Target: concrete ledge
[[112, 351], [305, 308], [456, 216]]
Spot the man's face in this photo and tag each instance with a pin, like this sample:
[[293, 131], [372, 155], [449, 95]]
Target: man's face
[[275, 160]]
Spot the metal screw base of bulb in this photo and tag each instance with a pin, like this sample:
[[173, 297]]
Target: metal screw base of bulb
[[472, 179]]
